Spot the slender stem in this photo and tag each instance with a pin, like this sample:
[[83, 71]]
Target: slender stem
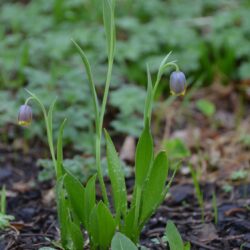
[[106, 91], [99, 132], [49, 132], [51, 145], [159, 75], [29, 99]]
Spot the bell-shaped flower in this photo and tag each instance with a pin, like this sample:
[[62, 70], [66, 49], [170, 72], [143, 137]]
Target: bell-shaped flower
[[25, 115], [178, 83]]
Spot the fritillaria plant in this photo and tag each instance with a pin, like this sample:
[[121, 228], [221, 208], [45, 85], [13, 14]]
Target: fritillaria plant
[[77, 205]]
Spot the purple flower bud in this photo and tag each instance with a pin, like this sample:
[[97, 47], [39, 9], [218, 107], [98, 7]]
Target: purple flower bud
[[25, 115], [178, 83]]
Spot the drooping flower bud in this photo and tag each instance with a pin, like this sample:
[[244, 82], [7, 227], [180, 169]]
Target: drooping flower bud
[[178, 83], [25, 115]]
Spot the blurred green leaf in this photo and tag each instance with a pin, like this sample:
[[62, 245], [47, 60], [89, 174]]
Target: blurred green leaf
[[176, 149], [239, 175], [206, 107]]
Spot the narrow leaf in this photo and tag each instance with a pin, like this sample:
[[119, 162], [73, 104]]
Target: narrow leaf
[[165, 59], [89, 200], [154, 186], [62, 211], [144, 156], [102, 226], [59, 161], [76, 195], [90, 80], [117, 178], [128, 229], [50, 115], [108, 19], [173, 237], [121, 242], [149, 99], [3, 200], [76, 236]]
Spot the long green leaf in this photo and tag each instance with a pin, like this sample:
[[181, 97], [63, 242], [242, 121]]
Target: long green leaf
[[117, 178], [59, 160], [89, 200], [62, 212], [90, 81], [173, 237], [109, 25], [102, 226], [149, 98], [121, 242], [128, 228], [163, 195], [76, 236], [155, 185], [144, 156], [76, 193], [50, 115]]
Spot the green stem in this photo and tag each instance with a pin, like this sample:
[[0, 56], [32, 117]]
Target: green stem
[[106, 91], [99, 132], [159, 75], [49, 131]]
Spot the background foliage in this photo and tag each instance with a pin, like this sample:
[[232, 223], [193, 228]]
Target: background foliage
[[209, 38]]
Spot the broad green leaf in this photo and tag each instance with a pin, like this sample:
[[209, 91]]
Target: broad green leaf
[[59, 160], [173, 237], [76, 193], [117, 178], [155, 185], [144, 156], [76, 236], [121, 242], [102, 226], [89, 200], [62, 211]]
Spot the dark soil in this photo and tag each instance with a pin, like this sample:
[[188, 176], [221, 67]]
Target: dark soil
[[218, 154], [32, 203]]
